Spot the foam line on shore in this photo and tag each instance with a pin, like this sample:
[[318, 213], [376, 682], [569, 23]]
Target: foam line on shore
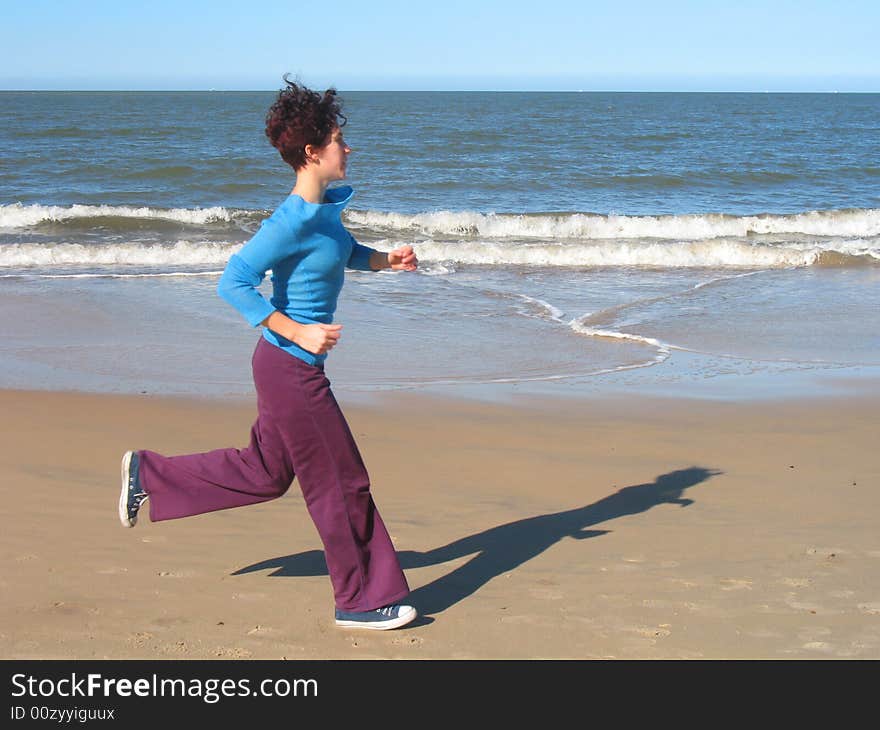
[[857, 223]]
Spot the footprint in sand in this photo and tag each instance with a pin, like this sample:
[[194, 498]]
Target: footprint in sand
[[829, 553], [140, 638], [232, 652], [872, 609], [262, 631], [656, 603], [248, 596], [796, 582], [804, 606], [684, 583], [659, 632], [67, 609], [736, 584], [178, 647], [822, 646]]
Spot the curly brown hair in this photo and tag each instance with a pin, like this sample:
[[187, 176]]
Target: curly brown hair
[[300, 116]]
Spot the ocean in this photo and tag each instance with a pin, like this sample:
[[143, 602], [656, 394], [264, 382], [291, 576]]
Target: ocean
[[715, 245]]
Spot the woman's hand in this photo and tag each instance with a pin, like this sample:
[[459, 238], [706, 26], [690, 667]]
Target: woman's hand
[[403, 259], [317, 338]]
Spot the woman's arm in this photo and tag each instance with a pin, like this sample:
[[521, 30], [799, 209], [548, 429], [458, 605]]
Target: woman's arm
[[320, 338], [364, 258], [243, 274], [246, 270]]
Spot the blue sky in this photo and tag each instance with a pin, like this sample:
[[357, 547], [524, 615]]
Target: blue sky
[[803, 45]]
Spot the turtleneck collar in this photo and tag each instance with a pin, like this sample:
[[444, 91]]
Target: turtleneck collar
[[335, 199]]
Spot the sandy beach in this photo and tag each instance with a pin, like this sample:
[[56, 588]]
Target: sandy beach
[[587, 528]]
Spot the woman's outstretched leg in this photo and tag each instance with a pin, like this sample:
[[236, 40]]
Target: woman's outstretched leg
[[181, 486]]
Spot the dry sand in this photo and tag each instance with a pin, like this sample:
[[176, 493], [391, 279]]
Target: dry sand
[[595, 528]]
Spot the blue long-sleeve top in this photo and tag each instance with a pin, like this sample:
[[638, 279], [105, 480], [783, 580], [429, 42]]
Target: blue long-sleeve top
[[308, 249]]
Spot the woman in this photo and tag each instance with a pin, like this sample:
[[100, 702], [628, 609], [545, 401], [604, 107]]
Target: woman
[[300, 431]]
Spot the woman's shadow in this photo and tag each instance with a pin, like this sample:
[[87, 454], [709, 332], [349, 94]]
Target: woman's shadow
[[500, 549]]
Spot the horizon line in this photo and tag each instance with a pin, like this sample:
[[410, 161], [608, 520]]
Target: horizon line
[[459, 91]]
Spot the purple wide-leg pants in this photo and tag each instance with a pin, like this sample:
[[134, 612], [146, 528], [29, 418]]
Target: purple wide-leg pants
[[299, 432]]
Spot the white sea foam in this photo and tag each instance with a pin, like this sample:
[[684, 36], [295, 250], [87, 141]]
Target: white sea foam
[[440, 258], [436, 269], [711, 253], [722, 279], [594, 332], [840, 223], [22, 216], [162, 275], [181, 253], [663, 349], [554, 313], [845, 223], [578, 324]]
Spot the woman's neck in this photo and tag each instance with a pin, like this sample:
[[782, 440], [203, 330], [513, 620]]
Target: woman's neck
[[310, 187]]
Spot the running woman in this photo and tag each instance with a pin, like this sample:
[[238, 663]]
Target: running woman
[[300, 430]]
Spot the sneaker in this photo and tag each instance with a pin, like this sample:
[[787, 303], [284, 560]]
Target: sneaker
[[132, 495], [389, 617]]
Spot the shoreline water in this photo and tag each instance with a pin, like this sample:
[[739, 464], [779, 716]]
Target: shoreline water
[[423, 334]]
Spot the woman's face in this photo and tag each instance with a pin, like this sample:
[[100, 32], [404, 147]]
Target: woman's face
[[333, 156]]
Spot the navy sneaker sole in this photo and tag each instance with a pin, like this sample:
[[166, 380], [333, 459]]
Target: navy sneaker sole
[[365, 620], [123, 494]]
